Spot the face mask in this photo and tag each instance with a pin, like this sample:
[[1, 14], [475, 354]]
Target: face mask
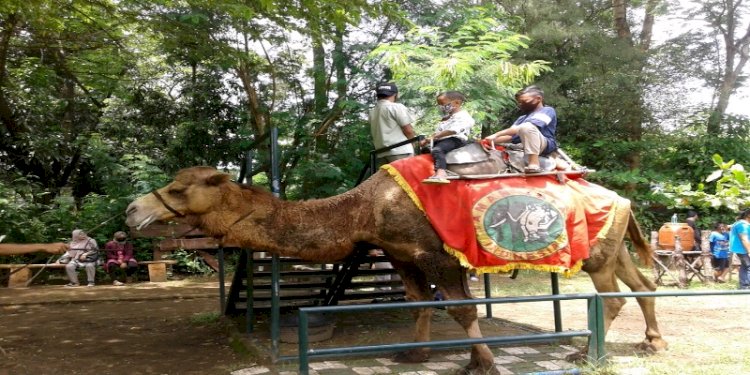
[[446, 109], [528, 107]]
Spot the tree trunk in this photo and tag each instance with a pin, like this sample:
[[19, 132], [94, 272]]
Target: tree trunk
[[633, 122], [620, 14], [339, 61], [259, 121], [320, 90], [6, 112], [320, 87], [733, 49], [648, 25]]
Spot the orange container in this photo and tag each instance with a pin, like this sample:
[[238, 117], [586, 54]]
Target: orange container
[[667, 234]]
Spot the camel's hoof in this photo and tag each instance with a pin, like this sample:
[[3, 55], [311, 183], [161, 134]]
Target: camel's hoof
[[478, 371], [653, 345], [412, 356]]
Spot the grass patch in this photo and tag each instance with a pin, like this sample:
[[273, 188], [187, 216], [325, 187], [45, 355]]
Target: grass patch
[[205, 318]]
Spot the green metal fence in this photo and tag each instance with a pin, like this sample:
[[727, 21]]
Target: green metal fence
[[305, 353], [595, 331]]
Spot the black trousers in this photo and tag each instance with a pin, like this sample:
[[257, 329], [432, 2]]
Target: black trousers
[[442, 147], [114, 270]]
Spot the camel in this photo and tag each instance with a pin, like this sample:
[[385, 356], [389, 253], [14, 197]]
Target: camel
[[377, 213]]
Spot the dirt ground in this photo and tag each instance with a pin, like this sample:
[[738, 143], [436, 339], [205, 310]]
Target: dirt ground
[[172, 328], [147, 328]]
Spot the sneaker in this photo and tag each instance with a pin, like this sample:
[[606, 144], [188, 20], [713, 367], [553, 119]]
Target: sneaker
[[90, 284], [118, 283], [71, 285], [532, 169]]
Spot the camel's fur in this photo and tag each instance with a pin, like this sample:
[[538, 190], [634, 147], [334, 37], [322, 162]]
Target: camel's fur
[[16, 249], [378, 213]]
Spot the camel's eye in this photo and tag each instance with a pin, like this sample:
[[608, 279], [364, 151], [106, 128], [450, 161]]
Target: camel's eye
[[176, 191]]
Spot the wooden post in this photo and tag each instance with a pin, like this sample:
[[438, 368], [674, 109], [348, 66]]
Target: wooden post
[[157, 272], [19, 277], [679, 261]]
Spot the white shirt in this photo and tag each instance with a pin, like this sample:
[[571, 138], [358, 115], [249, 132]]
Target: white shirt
[[386, 122], [459, 122]]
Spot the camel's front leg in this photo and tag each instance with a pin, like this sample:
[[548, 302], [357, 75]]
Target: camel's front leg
[[482, 359], [417, 289], [452, 282]]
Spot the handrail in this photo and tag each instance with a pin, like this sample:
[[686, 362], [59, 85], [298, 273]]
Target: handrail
[[373, 156]]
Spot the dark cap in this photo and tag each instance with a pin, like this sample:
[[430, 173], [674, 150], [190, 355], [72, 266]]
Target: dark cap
[[386, 88]]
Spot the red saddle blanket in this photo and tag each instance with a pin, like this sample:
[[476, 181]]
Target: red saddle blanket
[[501, 224]]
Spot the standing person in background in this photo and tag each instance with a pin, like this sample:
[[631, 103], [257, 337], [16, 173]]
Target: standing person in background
[[739, 243], [719, 242], [83, 253], [390, 123], [692, 222], [120, 257]]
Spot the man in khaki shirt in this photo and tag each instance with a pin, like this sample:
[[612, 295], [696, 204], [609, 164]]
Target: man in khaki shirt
[[390, 123]]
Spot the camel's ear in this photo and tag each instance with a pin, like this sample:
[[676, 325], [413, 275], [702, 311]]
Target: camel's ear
[[217, 179]]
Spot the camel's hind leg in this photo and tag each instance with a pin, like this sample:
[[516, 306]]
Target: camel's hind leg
[[417, 289], [605, 282], [637, 282], [450, 278]]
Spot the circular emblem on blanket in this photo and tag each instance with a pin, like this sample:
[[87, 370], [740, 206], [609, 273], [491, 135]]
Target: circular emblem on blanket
[[519, 227]]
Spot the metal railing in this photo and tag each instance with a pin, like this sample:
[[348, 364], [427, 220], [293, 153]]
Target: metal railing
[[370, 169], [595, 318], [305, 353]]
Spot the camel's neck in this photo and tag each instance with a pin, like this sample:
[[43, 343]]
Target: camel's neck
[[323, 229]]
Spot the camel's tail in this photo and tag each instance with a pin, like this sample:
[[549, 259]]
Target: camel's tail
[[642, 246]]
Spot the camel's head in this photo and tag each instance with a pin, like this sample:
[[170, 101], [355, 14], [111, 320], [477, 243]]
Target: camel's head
[[194, 192]]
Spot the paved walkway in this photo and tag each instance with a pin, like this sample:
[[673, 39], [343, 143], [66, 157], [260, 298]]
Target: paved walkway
[[351, 330], [509, 360]]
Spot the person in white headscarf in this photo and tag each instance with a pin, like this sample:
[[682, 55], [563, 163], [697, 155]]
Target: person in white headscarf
[[82, 254]]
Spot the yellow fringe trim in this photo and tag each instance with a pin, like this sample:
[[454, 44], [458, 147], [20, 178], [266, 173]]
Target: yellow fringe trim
[[401, 181], [617, 205], [510, 266]]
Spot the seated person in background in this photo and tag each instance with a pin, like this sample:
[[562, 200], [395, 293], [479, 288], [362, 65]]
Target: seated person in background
[[452, 133], [120, 257], [719, 242], [534, 130], [83, 253]]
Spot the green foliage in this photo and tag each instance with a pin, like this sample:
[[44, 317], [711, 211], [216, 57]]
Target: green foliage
[[106, 100], [19, 219], [189, 262], [731, 184]]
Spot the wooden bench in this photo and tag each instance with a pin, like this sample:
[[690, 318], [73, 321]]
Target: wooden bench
[[21, 273]]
